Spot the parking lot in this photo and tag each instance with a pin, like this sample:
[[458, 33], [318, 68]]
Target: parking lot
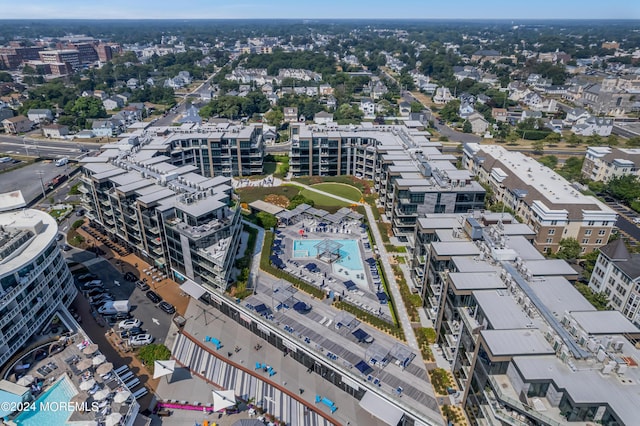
[[27, 179], [154, 321]]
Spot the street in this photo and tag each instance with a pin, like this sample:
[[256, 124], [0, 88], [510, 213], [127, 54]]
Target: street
[[44, 148]]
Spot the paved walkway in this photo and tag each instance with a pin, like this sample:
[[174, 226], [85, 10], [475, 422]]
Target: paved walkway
[[401, 310]]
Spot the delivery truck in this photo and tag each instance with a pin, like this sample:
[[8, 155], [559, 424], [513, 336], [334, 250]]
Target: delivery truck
[[113, 307]]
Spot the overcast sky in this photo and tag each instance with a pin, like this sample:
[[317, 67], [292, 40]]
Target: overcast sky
[[320, 9]]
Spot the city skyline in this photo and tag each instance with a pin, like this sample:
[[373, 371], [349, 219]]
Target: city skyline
[[330, 9]]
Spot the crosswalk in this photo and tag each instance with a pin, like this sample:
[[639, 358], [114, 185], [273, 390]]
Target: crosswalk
[[245, 385]]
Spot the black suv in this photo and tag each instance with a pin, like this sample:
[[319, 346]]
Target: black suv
[[153, 296], [167, 307]]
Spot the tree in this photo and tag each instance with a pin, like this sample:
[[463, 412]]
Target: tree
[[450, 111], [274, 117], [154, 352], [574, 139], [466, 127], [572, 169], [625, 188], [551, 161], [552, 138], [88, 107], [612, 140], [538, 146], [267, 220], [594, 139], [416, 107], [5, 77], [569, 249], [598, 300]]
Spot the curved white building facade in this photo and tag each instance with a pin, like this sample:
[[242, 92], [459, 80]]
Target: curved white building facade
[[34, 278]]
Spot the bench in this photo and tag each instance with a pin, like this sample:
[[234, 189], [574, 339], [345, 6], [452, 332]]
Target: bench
[[133, 383], [140, 393], [121, 369], [126, 376]]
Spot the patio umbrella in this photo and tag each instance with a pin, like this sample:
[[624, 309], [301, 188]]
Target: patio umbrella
[[104, 368], [163, 368], [26, 380], [79, 398], [97, 360], [223, 399], [121, 396], [84, 364], [112, 419], [101, 394], [91, 349], [86, 385]]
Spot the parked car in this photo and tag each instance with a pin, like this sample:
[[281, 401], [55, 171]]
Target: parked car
[[141, 340], [66, 247], [96, 291], [87, 277], [167, 307], [101, 299], [142, 285], [129, 323], [135, 331], [153, 296], [636, 220], [129, 276], [59, 237], [80, 212], [120, 316], [92, 284]]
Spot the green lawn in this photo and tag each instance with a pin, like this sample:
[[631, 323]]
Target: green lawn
[[340, 189], [322, 200], [251, 194]]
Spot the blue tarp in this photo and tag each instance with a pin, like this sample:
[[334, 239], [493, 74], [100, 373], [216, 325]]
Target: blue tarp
[[363, 367], [350, 285]]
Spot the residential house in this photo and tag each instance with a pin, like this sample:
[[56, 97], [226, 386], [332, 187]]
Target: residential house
[[40, 115], [517, 90], [5, 111], [269, 134], [530, 114], [104, 128], [17, 124], [594, 126], [124, 97], [311, 91], [325, 89], [465, 110], [332, 102], [576, 116], [485, 55], [323, 117], [86, 93], [290, 114], [368, 107], [378, 89], [483, 99], [112, 103], [55, 131], [266, 88], [186, 77], [442, 95], [191, 115], [150, 82], [132, 83], [556, 90], [532, 99], [499, 114], [100, 94], [405, 109], [479, 125], [273, 99]]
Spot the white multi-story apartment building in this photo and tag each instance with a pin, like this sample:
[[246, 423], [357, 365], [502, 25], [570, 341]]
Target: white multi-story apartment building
[[35, 281], [542, 198], [180, 221], [601, 163], [617, 274]]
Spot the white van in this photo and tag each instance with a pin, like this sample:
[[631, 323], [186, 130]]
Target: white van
[[62, 162]]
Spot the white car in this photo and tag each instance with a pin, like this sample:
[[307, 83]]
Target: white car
[[141, 340], [129, 323], [636, 220]]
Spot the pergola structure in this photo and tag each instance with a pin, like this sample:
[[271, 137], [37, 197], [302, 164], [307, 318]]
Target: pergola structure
[[328, 250]]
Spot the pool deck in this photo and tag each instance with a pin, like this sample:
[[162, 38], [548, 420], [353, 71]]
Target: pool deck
[[64, 368], [330, 276]]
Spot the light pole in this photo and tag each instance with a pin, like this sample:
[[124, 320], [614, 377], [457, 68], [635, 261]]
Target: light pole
[[44, 195]]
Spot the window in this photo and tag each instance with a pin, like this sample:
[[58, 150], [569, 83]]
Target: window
[[599, 241], [552, 231], [549, 240], [587, 232], [602, 232], [591, 223], [585, 241]]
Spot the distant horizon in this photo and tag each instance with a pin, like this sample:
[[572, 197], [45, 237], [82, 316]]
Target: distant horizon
[[327, 10], [537, 20]]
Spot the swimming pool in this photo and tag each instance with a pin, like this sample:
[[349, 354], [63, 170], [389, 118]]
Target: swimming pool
[[349, 252], [51, 414]]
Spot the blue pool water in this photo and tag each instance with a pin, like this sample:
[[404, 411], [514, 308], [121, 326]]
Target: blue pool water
[[60, 392], [349, 252]]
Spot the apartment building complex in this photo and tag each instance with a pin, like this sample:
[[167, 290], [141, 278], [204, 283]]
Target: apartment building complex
[[222, 149], [410, 173], [524, 345], [617, 274], [601, 163], [35, 281], [542, 198], [66, 56], [183, 223]]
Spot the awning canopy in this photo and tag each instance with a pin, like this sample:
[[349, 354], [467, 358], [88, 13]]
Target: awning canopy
[[192, 289], [223, 399], [163, 368], [381, 408]]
